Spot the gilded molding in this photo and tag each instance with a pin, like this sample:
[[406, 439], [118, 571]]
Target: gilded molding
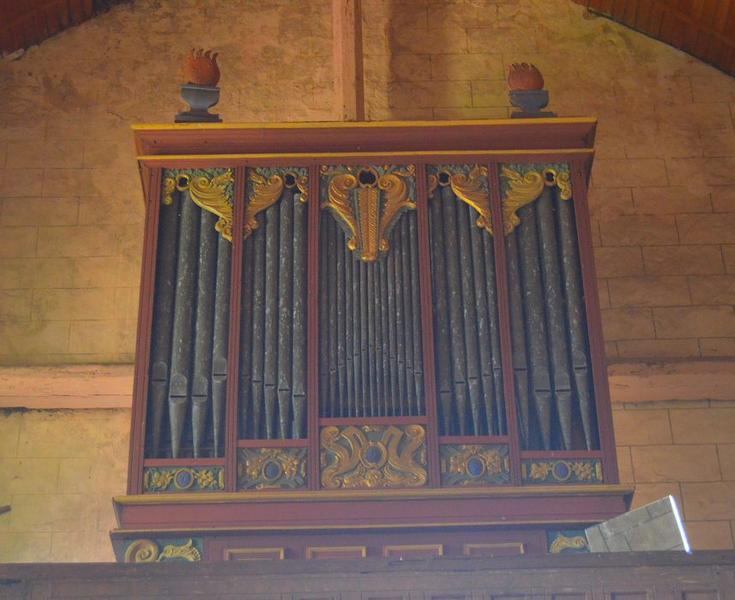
[[183, 479], [568, 542], [265, 187], [148, 551], [469, 183], [474, 464], [271, 468], [366, 202], [523, 184], [373, 456], [210, 189], [583, 470]]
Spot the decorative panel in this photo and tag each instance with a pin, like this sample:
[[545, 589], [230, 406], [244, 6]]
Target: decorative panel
[[370, 342], [465, 302], [373, 456], [470, 465], [572, 471], [271, 468], [188, 356], [183, 479], [273, 324], [552, 368]]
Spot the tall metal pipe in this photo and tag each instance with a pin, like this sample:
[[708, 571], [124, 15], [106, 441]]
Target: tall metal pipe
[[270, 367], [418, 360], [299, 319], [219, 342], [258, 327], [494, 333], [285, 313]]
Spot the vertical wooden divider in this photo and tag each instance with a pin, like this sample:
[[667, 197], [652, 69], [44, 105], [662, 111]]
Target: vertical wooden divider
[[506, 344], [233, 341], [312, 329], [427, 325], [151, 181], [594, 325]]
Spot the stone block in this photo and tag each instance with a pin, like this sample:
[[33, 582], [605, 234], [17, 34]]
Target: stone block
[[17, 242], [639, 230], [670, 200], [683, 260], [96, 271], [649, 291], [627, 323], [10, 423], [655, 464], [32, 337], [29, 475], [723, 197], [728, 254], [642, 427], [39, 211], [52, 272], [629, 173], [110, 210], [625, 464], [603, 293], [497, 38], [15, 273], [15, 305], [57, 512], [70, 182], [475, 67], [429, 94], [423, 41], [719, 143], [658, 349], [717, 347], [83, 240], [713, 425], [709, 501], [609, 203], [713, 289], [709, 535], [474, 112], [102, 337], [646, 493], [710, 89], [21, 183], [72, 304], [23, 547], [479, 14], [75, 546], [75, 476], [726, 453], [702, 172], [694, 321], [103, 153]]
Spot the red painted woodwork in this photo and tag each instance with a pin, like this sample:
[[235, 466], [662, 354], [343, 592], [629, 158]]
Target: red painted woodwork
[[452, 516]]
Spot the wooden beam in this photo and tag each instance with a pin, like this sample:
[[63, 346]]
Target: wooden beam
[[349, 85]]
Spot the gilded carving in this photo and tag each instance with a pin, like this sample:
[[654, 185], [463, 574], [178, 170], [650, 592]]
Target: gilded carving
[[470, 185], [524, 184], [373, 456], [366, 202], [560, 542], [266, 186], [210, 190], [147, 551], [474, 464], [562, 471], [183, 479], [271, 468]]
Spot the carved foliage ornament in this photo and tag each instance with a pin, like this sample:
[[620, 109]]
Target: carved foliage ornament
[[366, 202], [474, 464], [183, 479], [562, 471], [373, 456], [271, 468], [523, 184], [265, 187], [210, 189], [146, 551], [469, 184]]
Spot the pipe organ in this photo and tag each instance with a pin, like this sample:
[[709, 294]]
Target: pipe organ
[[367, 339]]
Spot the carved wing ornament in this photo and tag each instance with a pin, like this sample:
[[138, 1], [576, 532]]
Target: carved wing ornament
[[267, 186], [470, 186], [367, 202], [522, 188], [211, 192]]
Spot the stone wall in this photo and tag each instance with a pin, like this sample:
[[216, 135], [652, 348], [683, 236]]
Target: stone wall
[[663, 193]]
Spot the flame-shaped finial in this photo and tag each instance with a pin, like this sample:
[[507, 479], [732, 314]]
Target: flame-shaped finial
[[200, 68], [524, 77]]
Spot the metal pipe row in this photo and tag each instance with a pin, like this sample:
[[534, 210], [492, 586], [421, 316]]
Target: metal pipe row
[[370, 335], [466, 330], [188, 371], [550, 352], [273, 324]]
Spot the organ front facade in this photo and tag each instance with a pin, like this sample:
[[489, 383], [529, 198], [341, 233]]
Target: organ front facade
[[365, 340]]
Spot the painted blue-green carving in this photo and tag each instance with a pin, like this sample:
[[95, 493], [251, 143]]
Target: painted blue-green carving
[[559, 471], [183, 479], [469, 465]]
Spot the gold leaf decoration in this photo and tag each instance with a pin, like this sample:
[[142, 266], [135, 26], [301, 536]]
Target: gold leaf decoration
[[266, 193]]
